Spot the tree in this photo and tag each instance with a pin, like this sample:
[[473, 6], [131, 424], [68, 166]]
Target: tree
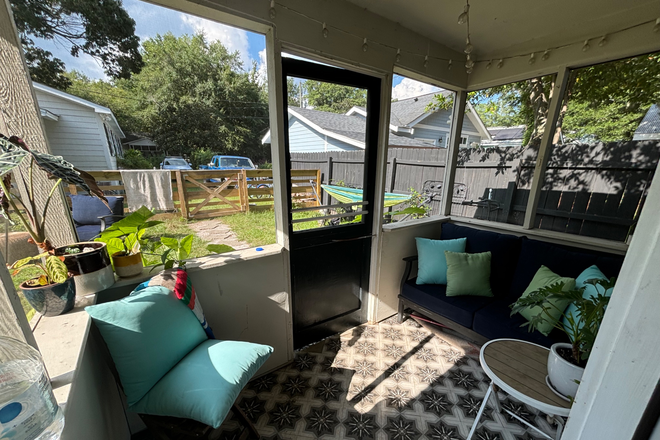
[[194, 95], [295, 92], [102, 29], [335, 98]]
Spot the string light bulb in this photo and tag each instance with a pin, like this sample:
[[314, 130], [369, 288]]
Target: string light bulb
[[468, 46], [489, 65], [469, 62], [449, 65], [463, 18], [273, 13], [546, 55], [398, 55], [532, 58], [586, 46], [325, 31], [656, 28], [603, 41], [426, 61], [365, 46], [500, 63]]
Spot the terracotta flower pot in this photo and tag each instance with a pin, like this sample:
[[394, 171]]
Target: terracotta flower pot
[[127, 265], [53, 299], [92, 270]]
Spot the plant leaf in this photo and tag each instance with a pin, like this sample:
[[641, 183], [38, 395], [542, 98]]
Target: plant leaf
[[185, 246], [219, 248], [25, 261], [115, 245], [171, 243], [56, 269], [11, 155]]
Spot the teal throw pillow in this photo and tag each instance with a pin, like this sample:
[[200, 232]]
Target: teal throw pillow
[[545, 277], [590, 273], [468, 274], [205, 384], [432, 264], [147, 334]]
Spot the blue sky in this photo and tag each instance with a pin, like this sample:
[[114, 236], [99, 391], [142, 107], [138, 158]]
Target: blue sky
[[151, 20]]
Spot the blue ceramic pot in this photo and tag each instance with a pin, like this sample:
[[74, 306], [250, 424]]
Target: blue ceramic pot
[[51, 300]]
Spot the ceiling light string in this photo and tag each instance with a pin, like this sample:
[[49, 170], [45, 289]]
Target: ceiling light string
[[464, 18], [602, 39]]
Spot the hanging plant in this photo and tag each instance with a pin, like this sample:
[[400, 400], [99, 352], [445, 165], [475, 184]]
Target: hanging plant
[[13, 151]]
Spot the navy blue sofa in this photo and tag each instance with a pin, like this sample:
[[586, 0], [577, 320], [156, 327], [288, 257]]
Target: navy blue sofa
[[91, 216], [514, 262]]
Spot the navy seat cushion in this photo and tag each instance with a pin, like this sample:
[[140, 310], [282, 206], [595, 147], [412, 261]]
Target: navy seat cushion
[[494, 321], [562, 260], [86, 210], [87, 232], [459, 309], [504, 249]]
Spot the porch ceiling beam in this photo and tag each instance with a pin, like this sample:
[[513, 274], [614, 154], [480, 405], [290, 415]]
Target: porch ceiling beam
[[452, 154], [556, 99]]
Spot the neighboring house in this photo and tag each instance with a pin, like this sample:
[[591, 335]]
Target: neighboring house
[[649, 128], [84, 133], [505, 136], [141, 143], [410, 126]]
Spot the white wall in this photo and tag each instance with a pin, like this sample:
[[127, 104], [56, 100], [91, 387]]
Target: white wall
[[78, 135], [396, 244]]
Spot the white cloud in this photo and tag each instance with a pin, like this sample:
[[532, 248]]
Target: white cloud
[[409, 88], [262, 67], [232, 38]]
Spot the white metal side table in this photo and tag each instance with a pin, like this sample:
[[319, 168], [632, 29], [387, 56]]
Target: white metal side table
[[519, 368]]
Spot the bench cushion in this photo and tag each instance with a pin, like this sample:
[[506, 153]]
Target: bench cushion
[[459, 309], [494, 321], [504, 251], [87, 232], [562, 260]]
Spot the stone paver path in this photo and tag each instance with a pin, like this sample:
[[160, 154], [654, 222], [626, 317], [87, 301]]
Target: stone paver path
[[216, 232]]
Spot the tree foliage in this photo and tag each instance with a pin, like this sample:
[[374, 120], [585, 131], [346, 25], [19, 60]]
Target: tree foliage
[[193, 94], [335, 98], [102, 29]]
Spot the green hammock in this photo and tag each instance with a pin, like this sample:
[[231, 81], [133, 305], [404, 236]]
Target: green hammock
[[353, 195]]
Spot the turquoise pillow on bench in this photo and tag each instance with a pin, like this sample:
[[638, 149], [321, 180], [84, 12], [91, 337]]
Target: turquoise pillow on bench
[[590, 273], [432, 263]]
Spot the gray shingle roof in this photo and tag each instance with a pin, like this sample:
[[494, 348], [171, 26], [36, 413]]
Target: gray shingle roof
[[507, 133], [651, 122], [353, 127], [407, 110]]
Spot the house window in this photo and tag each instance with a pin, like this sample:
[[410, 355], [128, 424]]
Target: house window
[[605, 151], [494, 183]]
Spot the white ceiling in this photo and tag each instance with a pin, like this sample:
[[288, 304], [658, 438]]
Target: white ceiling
[[514, 27]]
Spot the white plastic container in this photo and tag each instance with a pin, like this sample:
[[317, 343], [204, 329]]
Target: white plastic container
[[28, 409]]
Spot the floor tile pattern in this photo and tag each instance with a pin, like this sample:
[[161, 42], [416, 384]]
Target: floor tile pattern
[[387, 381]]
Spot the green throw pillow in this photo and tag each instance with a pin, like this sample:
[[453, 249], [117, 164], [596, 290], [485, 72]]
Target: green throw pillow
[[545, 277], [432, 264], [468, 274]]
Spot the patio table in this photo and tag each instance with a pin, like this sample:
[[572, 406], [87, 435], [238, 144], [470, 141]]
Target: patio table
[[519, 368]]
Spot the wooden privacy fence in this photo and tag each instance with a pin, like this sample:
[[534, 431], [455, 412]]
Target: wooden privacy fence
[[214, 193], [589, 190]]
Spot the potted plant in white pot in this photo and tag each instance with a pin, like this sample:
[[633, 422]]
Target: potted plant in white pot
[[53, 292], [124, 240], [566, 361]]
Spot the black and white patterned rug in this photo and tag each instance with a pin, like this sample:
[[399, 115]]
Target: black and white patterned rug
[[387, 381]]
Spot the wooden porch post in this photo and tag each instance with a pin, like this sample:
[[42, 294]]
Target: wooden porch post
[[452, 154], [20, 116]]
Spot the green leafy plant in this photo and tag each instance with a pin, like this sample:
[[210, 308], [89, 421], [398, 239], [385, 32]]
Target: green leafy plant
[[13, 151], [219, 248], [126, 235], [176, 251], [582, 326], [417, 208], [53, 269]]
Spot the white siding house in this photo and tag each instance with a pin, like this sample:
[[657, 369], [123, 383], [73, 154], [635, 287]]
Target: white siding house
[[84, 133]]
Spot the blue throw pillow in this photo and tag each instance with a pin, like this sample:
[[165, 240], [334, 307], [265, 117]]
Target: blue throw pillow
[[432, 263], [147, 335], [205, 384], [590, 290]]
